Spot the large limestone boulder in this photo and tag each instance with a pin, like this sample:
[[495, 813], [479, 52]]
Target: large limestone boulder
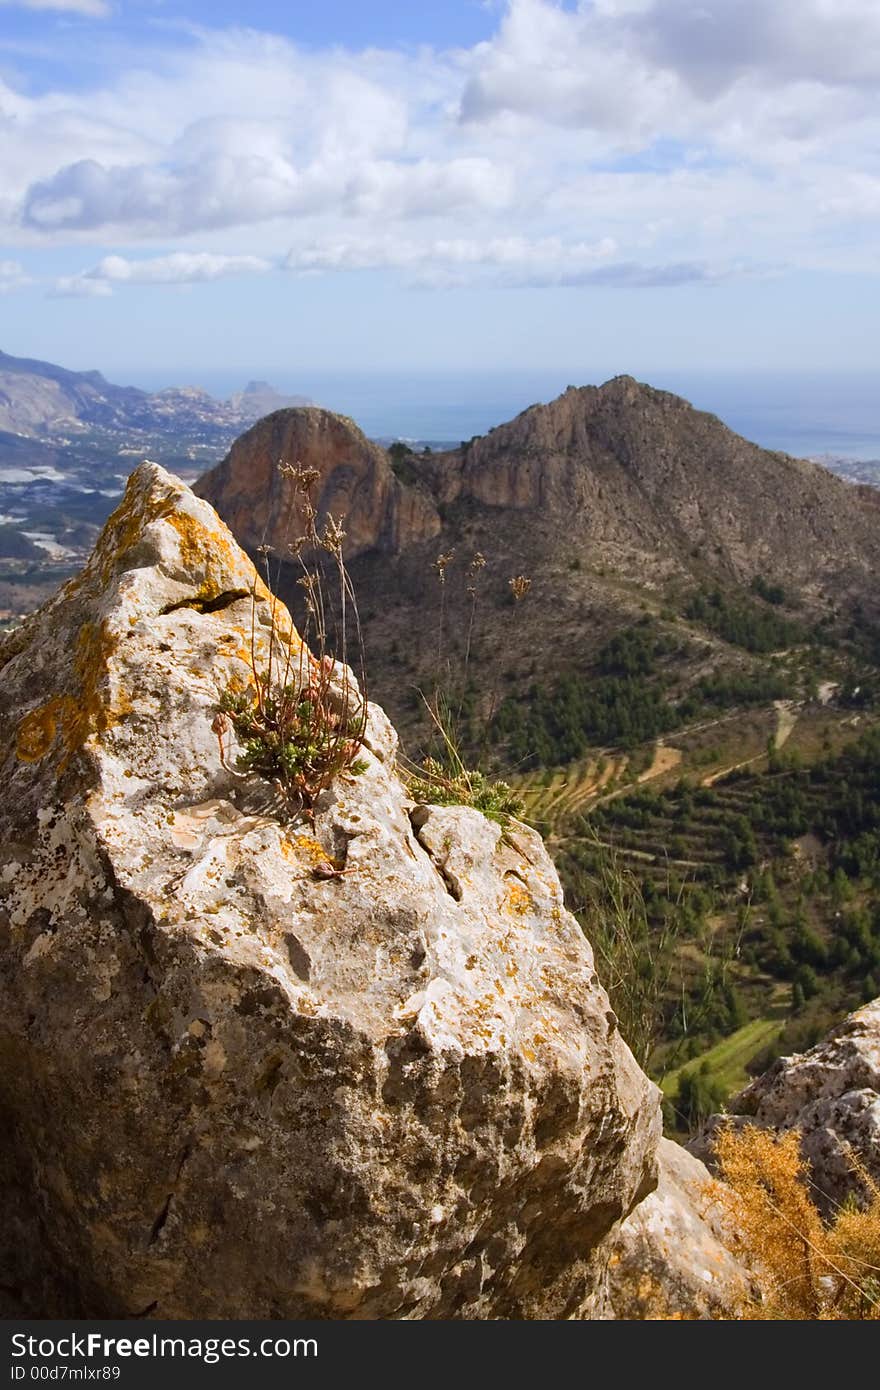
[[675, 1255], [832, 1095], [235, 1080]]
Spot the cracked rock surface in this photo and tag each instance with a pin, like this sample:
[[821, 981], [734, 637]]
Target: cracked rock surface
[[230, 1085], [832, 1095]]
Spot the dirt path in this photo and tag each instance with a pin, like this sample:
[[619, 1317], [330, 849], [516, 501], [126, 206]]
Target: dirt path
[[786, 718], [665, 759]]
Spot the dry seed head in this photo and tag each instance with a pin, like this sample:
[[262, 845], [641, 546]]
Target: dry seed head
[[333, 536], [519, 587], [442, 563], [303, 478]]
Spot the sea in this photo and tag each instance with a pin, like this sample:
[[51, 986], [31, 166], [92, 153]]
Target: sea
[[810, 415]]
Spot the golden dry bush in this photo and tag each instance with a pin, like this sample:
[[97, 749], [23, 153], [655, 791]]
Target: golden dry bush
[[804, 1268]]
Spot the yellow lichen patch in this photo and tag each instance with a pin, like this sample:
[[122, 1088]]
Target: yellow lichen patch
[[126, 524], [36, 732], [67, 721], [517, 899], [306, 846], [210, 550], [93, 712]]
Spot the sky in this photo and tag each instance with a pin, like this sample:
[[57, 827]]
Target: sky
[[454, 184]]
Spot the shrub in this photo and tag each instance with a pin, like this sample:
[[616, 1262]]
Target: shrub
[[439, 785], [805, 1268]]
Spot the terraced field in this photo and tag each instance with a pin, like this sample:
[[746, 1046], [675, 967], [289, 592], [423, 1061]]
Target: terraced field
[[708, 750], [727, 1060], [553, 798]]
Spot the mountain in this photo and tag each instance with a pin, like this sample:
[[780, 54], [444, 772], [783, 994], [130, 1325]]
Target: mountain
[[259, 398], [355, 479], [616, 502], [348, 1063], [637, 475], [38, 399]]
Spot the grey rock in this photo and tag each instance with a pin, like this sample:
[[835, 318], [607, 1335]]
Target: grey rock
[[675, 1255], [832, 1095]]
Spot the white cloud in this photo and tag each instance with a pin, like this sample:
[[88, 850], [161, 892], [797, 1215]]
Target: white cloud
[[627, 66], [507, 259], [697, 146], [713, 43], [179, 268], [238, 129], [92, 9]]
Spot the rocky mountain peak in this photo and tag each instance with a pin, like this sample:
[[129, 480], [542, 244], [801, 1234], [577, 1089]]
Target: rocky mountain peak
[[355, 480]]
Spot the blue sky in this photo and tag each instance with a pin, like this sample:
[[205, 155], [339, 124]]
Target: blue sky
[[596, 187]]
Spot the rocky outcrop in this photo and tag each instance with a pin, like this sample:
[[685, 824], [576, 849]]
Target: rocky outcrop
[[354, 481], [628, 473], [355, 1067], [832, 1095], [674, 1255]]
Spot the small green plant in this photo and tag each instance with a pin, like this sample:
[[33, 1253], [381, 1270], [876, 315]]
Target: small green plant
[[301, 721], [441, 786], [446, 781]]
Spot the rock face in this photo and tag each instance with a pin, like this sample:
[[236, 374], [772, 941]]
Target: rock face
[[832, 1095], [235, 1080], [673, 1256], [355, 481]]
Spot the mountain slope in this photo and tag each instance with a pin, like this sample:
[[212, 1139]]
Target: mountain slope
[[35, 395], [618, 502]]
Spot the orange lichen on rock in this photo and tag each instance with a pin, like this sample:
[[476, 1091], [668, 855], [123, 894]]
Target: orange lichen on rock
[[36, 732], [127, 523], [517, 898], [70, 720]]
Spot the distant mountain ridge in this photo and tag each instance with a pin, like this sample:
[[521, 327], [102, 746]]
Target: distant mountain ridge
[[39, 399]]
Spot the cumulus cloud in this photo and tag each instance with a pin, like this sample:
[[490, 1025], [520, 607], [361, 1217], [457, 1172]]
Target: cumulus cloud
[[179, 268], [228, 190], [712, 43], [693, 135], [630, 66]]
